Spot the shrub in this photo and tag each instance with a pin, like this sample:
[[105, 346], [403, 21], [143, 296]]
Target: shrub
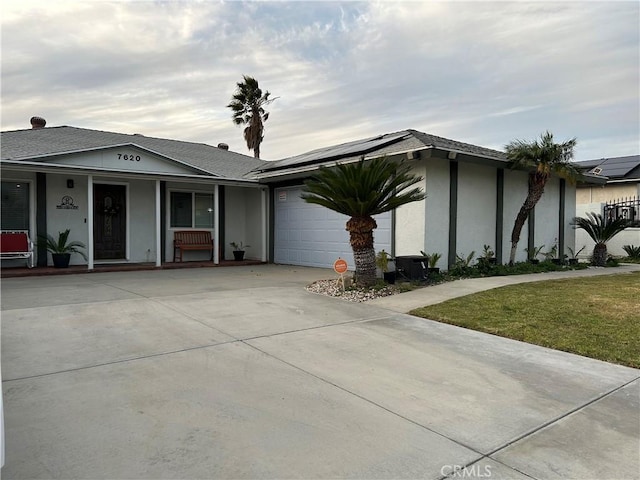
[[633, 252]]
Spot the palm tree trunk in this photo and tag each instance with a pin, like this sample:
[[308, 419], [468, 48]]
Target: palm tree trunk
[[361, 239], [537, 183], [599, 258]]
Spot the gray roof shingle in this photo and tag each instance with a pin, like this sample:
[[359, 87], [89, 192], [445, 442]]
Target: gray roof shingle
[[31, 144], [386, 144]]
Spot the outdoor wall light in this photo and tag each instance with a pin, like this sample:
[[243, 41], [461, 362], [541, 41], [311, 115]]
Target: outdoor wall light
[[70, 183]]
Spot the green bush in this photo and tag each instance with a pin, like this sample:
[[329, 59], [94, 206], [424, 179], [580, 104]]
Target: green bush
[[633, 252]]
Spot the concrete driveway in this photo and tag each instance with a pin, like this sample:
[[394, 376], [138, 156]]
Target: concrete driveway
[[241, 373]]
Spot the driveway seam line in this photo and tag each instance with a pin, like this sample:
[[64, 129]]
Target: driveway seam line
[[561, 417], [451, 475], [234, 339], [324, 380], [116, 362]]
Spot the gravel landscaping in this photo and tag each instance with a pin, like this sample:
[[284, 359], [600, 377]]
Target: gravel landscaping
[[352, 294]]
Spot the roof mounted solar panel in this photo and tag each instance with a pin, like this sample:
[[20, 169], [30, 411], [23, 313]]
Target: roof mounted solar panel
[[350, 149]]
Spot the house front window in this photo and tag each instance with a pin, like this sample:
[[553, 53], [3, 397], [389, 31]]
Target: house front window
[[15, 206], [191, 210]]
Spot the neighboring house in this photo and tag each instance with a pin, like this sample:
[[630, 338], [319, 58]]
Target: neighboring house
[[618, 196], [125, 195]]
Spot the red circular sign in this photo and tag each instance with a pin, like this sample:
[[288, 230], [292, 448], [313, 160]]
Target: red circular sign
[[340, 266]]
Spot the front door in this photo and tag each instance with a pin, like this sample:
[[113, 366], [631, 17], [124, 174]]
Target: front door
[[109, 221]]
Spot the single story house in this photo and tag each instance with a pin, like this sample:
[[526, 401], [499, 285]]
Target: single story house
[[124, 196], [617, 195]]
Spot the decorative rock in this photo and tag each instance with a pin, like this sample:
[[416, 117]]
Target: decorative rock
[[352, 294]]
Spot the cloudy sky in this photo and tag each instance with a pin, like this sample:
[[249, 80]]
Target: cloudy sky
[[479, 72]]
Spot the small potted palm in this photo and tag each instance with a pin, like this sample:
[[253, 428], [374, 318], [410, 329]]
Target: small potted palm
[[61, 249], [382, 262], [432, 262], [238, 250]]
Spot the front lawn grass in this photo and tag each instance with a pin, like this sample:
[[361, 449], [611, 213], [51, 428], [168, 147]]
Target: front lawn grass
[[598, 317]]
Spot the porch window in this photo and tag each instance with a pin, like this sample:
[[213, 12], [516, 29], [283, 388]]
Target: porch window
[[15, 206], [191, 210]]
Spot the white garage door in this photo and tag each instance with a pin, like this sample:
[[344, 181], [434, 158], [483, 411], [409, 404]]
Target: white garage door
[[314, 236]]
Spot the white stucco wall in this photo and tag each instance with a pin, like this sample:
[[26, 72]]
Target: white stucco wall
[[630, 236], [515, 192], [243, 221], [410, 220], [59, 219], [570, 212], [476, 223], [142, 221], [125, 159], [547, 216], [436, 226]]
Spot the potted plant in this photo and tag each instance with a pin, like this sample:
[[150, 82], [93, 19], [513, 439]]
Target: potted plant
[[551, 255], [61, 249], [238, 250], [432, 261], [382, 262], [532, 253], [488, 256]]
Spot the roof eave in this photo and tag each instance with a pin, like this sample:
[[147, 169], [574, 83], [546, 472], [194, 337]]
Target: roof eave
[[57, 168]]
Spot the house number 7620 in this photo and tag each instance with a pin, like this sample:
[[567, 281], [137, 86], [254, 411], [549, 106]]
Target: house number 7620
[[131, 158]]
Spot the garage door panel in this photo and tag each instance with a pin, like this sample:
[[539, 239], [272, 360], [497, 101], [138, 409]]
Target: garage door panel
[[311, 235]]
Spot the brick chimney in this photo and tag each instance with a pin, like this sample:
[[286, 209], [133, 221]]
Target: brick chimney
[[38, 122]]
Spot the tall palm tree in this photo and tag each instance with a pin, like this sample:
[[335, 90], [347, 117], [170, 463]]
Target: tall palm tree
[[247, 105], [542, 158], [601, 231], [361, 190]]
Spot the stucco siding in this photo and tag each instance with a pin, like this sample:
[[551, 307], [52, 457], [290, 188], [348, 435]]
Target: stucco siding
[[243, 210], [547, 216], [142, 224], [606, 193], [124, 159], [476, 222], [515, 192], [436, 210], [570, 212], [630, 236], [410, 220], [75, 219]]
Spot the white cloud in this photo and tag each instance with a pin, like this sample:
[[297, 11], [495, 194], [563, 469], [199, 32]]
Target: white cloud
[[479, 72]]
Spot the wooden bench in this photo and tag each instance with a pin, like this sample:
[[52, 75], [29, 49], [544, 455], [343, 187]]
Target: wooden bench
[[191, 240], [16, 245]]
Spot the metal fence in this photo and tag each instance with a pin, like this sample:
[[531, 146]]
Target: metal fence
[[628, 208]]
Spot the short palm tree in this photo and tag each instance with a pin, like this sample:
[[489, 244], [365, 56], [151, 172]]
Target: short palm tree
[[601, 230], [361, 190], [542, 158], [247, 105]]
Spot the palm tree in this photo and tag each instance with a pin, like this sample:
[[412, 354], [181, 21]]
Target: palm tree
[[542, 158], [601, 231], [361, 190], [248, 109]]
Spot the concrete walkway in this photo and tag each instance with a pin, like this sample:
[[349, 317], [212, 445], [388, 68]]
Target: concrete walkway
[[241, 373], [405, 302]]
